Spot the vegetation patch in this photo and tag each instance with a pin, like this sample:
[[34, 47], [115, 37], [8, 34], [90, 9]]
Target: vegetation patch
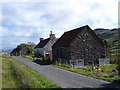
[[109, 73], [17, 75], [42, 60], [8, 78], [32, 58]]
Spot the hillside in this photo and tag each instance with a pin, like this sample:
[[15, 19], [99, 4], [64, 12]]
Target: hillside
[[111, 36]]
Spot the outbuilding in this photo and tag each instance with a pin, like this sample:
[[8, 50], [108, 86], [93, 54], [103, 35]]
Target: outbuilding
[[78, 45]]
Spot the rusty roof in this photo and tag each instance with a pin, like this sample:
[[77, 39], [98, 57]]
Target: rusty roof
[[67, 37]]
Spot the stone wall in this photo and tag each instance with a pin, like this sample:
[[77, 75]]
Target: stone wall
[[85, 46]]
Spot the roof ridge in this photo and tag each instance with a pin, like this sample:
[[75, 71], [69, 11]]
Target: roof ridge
[[67, 37], [78, 28]]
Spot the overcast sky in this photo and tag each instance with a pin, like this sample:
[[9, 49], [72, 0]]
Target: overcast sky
[[26, 21]]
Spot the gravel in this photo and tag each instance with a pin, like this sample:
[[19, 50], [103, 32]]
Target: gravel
[[64, 78]]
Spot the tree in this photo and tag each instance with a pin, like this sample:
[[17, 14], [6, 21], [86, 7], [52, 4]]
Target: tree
[[118, 67], [107, 47], [29, 51], [23, 45], [31, 44]]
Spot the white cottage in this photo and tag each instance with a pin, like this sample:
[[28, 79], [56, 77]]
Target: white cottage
[[44, 47]]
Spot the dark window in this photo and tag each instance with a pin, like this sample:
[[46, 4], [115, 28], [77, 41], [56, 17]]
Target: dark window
[[57, 53], [60, 53]]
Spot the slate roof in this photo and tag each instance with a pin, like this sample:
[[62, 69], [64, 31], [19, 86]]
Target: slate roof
[[18, 51], [67, 37], [42, 43]]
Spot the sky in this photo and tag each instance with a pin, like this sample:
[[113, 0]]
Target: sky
[[25, 21]]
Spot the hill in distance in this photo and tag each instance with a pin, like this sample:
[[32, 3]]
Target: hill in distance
[[111, 36]]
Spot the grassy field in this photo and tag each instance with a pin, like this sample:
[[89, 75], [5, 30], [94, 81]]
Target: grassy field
[[108, 73], [17, 75]]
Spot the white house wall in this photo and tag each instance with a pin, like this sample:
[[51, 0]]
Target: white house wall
[[39, 52]]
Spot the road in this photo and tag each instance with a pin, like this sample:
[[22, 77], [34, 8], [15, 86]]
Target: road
[[64, 78]]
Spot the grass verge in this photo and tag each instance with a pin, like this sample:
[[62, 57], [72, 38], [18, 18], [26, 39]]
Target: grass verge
[[108, 73], [8, 78], [32, 58], [17, 75]]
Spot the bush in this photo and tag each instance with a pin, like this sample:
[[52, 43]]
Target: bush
[[114, 59]]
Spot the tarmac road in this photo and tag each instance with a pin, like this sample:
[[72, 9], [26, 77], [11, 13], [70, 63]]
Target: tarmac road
[[64, 78]]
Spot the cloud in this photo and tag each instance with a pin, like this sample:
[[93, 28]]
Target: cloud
[[28, 19], [39, 13]]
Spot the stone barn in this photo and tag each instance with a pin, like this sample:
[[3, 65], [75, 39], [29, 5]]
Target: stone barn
[[77, 45], [44, 47], [18, 52]]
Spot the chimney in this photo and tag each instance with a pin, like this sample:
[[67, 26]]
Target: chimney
[[52, 36], [50, 32], [41, 39]]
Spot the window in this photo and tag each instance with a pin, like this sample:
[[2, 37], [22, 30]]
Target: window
[[57, 53], [61, 52]]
